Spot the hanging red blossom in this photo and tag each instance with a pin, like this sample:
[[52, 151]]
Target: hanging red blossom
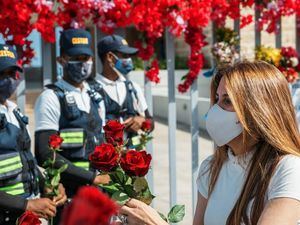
[[153, 73]]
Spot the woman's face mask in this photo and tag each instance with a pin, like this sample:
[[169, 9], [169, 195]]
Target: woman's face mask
[[124, 65], [8, 85], [223, 126], [78, 71]]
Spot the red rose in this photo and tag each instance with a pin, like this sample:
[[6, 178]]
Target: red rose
[[105, 157], [28, 218], [89, 206], [147, 125], [136, 163], [55, 141], [114, 132]]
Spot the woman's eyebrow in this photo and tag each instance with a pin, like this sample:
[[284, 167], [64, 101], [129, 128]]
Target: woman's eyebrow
[[224, 95]]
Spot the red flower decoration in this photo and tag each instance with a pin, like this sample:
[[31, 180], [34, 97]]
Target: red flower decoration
[[89, 206], [147, 125], [136, 163], [114, 132], [246, 20], [105, 157], [28, 218], [153, 73], [55, 141]]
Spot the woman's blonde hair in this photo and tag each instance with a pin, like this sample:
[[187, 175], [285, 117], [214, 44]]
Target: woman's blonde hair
[[261, 98]]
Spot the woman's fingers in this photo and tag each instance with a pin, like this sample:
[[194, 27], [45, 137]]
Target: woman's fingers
[[125, 210], [133, 203]]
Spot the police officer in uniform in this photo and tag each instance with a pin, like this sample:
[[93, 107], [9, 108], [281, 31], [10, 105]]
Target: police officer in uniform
[[124, 99], [75, 111], [20, 179]]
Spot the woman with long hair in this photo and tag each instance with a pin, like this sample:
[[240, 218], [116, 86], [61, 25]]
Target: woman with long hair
[[254, 175]]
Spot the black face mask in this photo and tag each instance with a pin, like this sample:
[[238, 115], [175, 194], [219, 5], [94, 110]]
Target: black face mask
[[78, 71], [8, 86]]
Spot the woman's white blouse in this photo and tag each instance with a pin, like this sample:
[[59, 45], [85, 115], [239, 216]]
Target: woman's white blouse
[[284, 183]]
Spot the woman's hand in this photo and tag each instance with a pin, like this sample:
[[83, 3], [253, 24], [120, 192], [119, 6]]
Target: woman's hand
[[138, 213], [61, 198]]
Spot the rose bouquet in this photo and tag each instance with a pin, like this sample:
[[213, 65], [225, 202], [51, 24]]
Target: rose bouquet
[[127, 168]]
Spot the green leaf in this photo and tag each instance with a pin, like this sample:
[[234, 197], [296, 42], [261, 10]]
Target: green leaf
[[130, 191], [120, 197], [47, 163], [140, 184], [183, 78], [176, 214], [129, 180], [55, 180], [63, 168], [111, 189], [163, 217], [146, 196], [118, 177]]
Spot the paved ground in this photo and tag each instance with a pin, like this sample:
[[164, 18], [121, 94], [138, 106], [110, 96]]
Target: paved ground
[[161, 162]]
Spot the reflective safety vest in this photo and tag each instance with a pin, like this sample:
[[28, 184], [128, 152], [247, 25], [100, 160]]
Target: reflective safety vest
[[18, 167], [80, 130], [112, 108]]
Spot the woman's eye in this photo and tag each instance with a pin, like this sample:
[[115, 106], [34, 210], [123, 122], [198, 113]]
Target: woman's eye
[[227, 101]]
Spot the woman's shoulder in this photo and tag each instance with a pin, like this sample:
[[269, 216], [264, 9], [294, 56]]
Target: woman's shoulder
[[203, 176], [288, 163], [204, 166], [285, 181]]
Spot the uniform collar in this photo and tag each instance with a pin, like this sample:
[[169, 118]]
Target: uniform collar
[[69, 87], [10, 106], [106, 81]]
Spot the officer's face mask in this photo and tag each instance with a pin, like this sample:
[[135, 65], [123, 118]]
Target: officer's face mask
[[223, 126], [124, 65], [78, 71], [8, 85]]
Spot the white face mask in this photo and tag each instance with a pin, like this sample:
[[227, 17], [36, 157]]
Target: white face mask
[[223, 126]]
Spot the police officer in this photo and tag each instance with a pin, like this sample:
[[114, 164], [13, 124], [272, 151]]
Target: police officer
[[124, 99], [71, 108], [20, 179]]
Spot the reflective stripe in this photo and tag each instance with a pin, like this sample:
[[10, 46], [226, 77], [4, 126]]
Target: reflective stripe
[[10, 168], [71, 134], [15, 159], [72, 137], [15, 189], [73, 140], [84, 165]]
